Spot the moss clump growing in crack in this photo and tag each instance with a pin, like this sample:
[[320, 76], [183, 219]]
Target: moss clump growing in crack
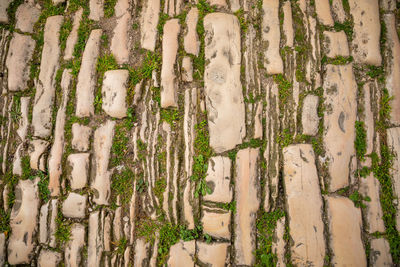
[[285, 138], [119, 146], [284, 86], [360, 142], [151, 62], [242, 20], [376, 72], [109, 8], [358, 199], [339, 60], [170, 115], [347, 27], [63, 232], [121, 246], [122, 184]]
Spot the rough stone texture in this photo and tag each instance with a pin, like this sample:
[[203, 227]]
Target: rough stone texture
[[278, 245], [3, 10], [45, 87], [95, 240], [288, 23], [87, 75], [2, 249], [340, 91], [367, 28], [247, 203], [141, 249], [338, 10], [37, 154], [80, 137], [149, 21], [23, 222], [26, 16], [96, 9], [223, 88], [19, 56], [103, 137], [74, 246], [219, 3], [336, 44], [304, 197], [216, 224], [219, 179], [379, 254], [182, 254], [322, 8], [309, 117], [271, 35], [120, 41], [212, 254], [187, 69], [114, 93], [79, 170], [345, 232], [74, 206], [73, 36], [191, 41], [393, 139], [169, 86], [49, 258]]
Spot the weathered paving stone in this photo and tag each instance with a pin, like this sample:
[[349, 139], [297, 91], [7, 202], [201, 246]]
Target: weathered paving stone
[[191, 41], [120, 41], [340, 91], [79, 164], [74, 246], [3, 10], [96, 9], [52, 222], [47, 224], [169, 86], [379, 254], [369, 117], [338, 10], [56, 2], [43, 227], [141, 250], [23, 222], [2, 249], [187, 69], [149, 21], [304, 197], [219, 3], [393, 76], [322, 8], [271, 36], [288, 23], [114, 93], [37, 149], [336, 44], [87, 76], [278, 245], [345, 226], [103, 137], [247, 203], [80, 137], [182, 254], [216, 223], [95, 239], [24, 122], [223, 88], [45, 87], [26, 16], [74, 206], [49, 258], [73, 36], [393, 139], [172, 7], [213, 254], [219, 180], [19, 55], [309, 117], [367, 27]]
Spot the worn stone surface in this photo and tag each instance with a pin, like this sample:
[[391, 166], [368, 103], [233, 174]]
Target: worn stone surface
[[379, 254], [19, 55], [141, 250], [345, 232], [336, 44], [182, 254], [74, 206], [219, 179], [114, 93], [288, 23], [213, 254], [309, 117], [340, 91], [96, 9], [3, 11], [95, 240], [322, 8], [191, 41], [80, 137], [222, 81], [149, 21], [79, 164], [74, 246], [49, 258], [216, 223], [37, 154], [304, 197], [26, 16], [2, 249], [73, 36], [120, 44], [187, 69], [393, 139], [278, 245]]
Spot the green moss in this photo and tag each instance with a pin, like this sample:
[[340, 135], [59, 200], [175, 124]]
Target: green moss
[[121, 246], [170, 115], [161, 22], [122, 185], [43, 185], [64, 33], [339, 60], [376, 72], [360, 142], [285, 138], [120, 144], [358, 199], [109, 8], [63, 232], [346, 26], [284, 86], [242, 20]]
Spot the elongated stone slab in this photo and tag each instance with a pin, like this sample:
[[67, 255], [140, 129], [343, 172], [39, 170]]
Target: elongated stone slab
[[74, 246], [73, 36], [367, 28], [336, 44], [103, 138], [120, 40], [271, 37], [191, 41], [182, 254], [340, 91], [304, 198], [222, 84], [213, 254], [288, 23], [87, 76], [217, 223], [45, 89], [379, 254], [114, 93], [2, 249], [149, 21], [96, 9], [74, 206], [95, 239], [309, 116], [247, 203], [219, 180], [345, 226], [26, 16], [23, 222], [169, 85], [3, 10], [393, 139], [323, 11], [79, 164], [19, 55]]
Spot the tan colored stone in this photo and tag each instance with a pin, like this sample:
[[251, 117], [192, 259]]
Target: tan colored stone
[[367, 28], [247, 204], [219, 3], [80, 137], [56, 2], [141, 251], [219, 180], [388, 5], [49, 258], [309, 117], [345, 226], [103, 138], [19, 55], [46, 87], [336, 44], [2, 249], [217, 223], [187, 69], [288, 23], [43, 225], [169, 86], [26, 16], [223, 89], [369, 117], [172, 7], [149, 21], [278, 244], [52, 222], [37, 154], [214, 255], [379, 255], [95, 240], [182, 254], [271, 35], [23, 222], [393, 139], [323, 11], [96, 9], [24, 122], [74, 246], [80, 170], [87, 75], [304, 197], [74, 206], [340, 91], [114, 93], [3, 10], [120, 40], [338, 10], [73, 36], [191, 41]]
